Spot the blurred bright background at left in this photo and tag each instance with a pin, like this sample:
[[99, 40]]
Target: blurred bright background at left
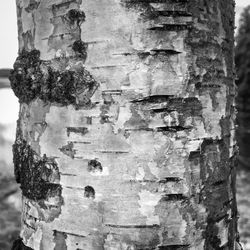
[[8, 29], [8, 109], [8, 53]]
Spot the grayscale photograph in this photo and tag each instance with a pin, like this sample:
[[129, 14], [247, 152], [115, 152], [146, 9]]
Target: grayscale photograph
[[125, 125]]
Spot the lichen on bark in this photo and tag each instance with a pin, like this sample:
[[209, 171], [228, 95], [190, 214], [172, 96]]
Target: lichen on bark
[[34, 173], [34, 78], [39, 177]]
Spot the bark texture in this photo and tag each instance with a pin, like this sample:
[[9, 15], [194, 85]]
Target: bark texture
[[125, 136]]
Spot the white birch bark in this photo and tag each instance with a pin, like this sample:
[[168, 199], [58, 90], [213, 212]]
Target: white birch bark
[[143, 157]]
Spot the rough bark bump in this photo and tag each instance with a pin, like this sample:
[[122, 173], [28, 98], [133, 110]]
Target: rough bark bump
[[34, 78], [80, 49], [94, 166], [75, 16], [89, 192]]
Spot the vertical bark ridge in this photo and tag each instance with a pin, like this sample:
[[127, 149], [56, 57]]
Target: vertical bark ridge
[[214, 61], [148, 163]]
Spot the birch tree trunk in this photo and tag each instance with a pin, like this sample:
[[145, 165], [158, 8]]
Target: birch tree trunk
[[125, 137]]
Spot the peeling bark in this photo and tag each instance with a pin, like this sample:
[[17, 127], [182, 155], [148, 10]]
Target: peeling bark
[[132, 104]]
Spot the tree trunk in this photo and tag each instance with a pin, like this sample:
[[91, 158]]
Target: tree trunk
[[125, 137]]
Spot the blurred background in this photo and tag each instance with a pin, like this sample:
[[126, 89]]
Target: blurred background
[[10, 197]]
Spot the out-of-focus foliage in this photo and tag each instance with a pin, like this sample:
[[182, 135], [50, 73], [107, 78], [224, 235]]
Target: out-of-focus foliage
[[242, 63], [10, 202], [242, 53]]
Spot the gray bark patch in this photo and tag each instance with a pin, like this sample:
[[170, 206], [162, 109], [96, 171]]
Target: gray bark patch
[[68, 150], [77, 130], [60, 240]]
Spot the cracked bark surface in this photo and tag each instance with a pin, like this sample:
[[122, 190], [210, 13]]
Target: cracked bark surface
[[149, 162]]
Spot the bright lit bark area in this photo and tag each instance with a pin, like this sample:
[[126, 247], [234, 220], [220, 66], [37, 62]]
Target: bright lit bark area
[[125, 137]]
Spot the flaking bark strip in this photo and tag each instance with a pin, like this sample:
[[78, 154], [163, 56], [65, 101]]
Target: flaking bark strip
[[172, 129], [155, 53], [34, 78], [174, 13], [190, 106], [174, 247], [68, 150], [166, 51], [154, 99], [132, 226], [171, 27], [77, 130], [145, 4], [170, 179], [149, 10], [174, 197], [68, 233], [18, 245], [173, 111]]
